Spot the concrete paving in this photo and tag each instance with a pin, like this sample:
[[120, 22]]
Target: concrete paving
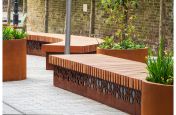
[[37, 95]]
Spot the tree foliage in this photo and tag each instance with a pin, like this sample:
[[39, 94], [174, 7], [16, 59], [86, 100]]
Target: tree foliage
[[119, 13]]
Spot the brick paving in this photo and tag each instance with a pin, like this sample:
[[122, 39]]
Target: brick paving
[[37, 95]]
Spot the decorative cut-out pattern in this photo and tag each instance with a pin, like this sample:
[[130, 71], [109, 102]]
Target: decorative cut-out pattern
[[105, 87], [34, 47]]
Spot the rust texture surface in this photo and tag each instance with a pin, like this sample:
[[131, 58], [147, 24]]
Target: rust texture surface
[[14, 60], [111, 94], [113, 81], [34, 47], [157, 99]]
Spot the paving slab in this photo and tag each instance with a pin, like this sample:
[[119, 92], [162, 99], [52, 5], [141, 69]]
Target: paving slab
[[37, 95]]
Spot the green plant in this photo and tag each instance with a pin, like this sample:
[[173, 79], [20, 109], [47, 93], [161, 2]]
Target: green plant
[[160, 69], [119, 13], [109, 43], [10, 33], [128, 44], [7, 33]]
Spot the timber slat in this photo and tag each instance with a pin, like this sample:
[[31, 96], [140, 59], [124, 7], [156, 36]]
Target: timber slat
[[121, 71], [56, 42]]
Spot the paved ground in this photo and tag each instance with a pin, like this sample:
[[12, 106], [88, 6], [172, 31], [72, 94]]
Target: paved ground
[[37, 95]]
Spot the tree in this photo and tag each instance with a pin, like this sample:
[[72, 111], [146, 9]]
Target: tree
[[118, 13], [24, 6], [161, 28], [9, 12], [46, 16]]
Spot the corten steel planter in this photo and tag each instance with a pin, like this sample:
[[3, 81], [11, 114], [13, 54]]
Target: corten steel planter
[[130, 54], [157, 99], [14, 60]]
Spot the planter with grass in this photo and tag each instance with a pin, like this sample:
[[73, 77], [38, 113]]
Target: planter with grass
[[126, 49], [157, 89], [14, 54]]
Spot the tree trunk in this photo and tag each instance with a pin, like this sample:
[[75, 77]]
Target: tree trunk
[[9, 12], [46, 16], [24, 6], [161, 28], [125, 11], [92, 18]]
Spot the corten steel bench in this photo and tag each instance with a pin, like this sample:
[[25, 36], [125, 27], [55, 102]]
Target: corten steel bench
[[35, 40], [113, 81], [44, 44], [79, 45]]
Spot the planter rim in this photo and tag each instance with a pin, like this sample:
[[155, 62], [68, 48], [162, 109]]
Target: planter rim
[[16, 39], [123, 49], [159, 84]]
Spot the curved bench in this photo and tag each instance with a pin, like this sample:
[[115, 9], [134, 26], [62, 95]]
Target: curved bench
[[112, 81], [35, 40], [44, 44]]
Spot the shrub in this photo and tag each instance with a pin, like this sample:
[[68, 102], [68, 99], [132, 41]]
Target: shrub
[[118, 13], [160, 69], [7, 33], [109, 43], [10, 33]]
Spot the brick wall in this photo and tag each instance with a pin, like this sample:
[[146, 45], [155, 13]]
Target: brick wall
[[35, 21], [56, 16], [147, 23], [5, 3]]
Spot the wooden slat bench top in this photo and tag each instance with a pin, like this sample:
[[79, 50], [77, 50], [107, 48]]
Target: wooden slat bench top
[[75, 39], [79, 44], [121, 71], [45, 37]]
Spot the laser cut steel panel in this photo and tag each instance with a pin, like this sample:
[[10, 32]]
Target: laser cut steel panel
[[112, 94], [34, 47]]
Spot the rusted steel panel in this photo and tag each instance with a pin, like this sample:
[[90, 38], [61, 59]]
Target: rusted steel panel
[[14, 60], [109, 93]]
